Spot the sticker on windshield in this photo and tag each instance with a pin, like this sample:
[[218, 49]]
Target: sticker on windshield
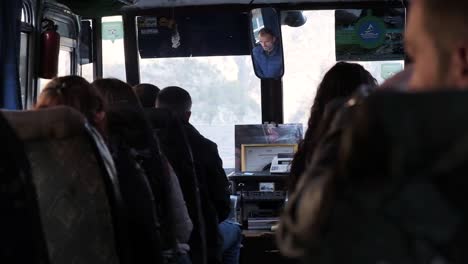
[[369, 34]]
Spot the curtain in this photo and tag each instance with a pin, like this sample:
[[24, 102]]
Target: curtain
[[10, 33]]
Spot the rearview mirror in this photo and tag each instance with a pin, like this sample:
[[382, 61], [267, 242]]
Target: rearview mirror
[[267, 51]]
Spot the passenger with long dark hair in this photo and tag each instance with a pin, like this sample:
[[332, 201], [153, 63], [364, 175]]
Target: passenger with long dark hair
[[127, 124], [338, 84]]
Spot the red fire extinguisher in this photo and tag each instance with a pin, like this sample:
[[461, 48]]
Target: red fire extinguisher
[[50, 48]]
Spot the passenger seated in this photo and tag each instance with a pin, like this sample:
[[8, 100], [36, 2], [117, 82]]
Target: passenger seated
[[213, 184], [76, 92], [170, 131], [147, 94], [437, 40], [339, 83], [127, 124], [232, 236]]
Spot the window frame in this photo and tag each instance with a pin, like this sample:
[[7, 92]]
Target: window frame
[[28, 27], [60, 13]]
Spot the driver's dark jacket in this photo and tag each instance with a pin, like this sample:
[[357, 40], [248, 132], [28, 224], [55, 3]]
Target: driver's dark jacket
[[214, 189]]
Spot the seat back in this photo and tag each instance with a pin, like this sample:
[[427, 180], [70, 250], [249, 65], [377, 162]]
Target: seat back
[[140, 172], [78, 199], [175, 145], [20, 224]]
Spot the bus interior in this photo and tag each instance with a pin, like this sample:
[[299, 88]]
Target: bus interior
[[207, 47]]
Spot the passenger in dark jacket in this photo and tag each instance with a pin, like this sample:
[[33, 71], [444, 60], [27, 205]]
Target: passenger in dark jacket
[[212, 180]]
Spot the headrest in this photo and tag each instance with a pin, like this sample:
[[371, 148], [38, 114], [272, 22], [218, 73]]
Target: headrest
[[54, 123], [159, 117]]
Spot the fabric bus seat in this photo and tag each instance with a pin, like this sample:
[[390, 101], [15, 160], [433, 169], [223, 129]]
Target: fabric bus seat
[[74, 176], [139, 169], [175, 145], [20, 223]]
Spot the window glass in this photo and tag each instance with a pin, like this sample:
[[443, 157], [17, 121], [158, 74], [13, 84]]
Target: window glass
[[64, 67], [113, 56], [65, 59], [23, 65], [309, 52], [87, 72], [257, 22], [224, 90], [23, 15]]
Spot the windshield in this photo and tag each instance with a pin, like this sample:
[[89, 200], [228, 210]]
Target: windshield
[[309, 52], [224, 90]]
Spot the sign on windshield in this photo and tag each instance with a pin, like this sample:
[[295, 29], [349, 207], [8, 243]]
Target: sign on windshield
[[112, 31], [369, 34]]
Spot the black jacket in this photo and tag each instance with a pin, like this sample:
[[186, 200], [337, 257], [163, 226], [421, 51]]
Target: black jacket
[[214, 189]]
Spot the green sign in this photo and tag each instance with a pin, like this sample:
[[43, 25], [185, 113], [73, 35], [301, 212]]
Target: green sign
[[369, 34], [370, 31], [390, 69], [112, 31]]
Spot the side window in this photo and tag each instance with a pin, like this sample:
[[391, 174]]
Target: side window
[[113, 58], [65, 61], [257, 22], [23, 66], [65, 66], [24, 60], [87, 72], [67, 27]]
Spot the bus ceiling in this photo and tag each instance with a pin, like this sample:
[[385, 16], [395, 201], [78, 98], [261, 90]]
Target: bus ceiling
[[175, 3], [99, 8]]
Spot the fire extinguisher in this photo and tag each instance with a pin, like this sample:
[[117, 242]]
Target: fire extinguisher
[[50, 48]]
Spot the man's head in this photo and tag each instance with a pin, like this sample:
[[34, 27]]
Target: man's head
[[177, 100], [267, 39], [147, 94], [437, 40]]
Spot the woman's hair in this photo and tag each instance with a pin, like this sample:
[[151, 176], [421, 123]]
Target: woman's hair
[[73, 91], [125, 118], [341, 81], [116, 91]]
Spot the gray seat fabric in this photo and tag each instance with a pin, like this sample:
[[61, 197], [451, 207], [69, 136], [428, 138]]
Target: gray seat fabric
[[175, 145], [70, 182], [20, 224]]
